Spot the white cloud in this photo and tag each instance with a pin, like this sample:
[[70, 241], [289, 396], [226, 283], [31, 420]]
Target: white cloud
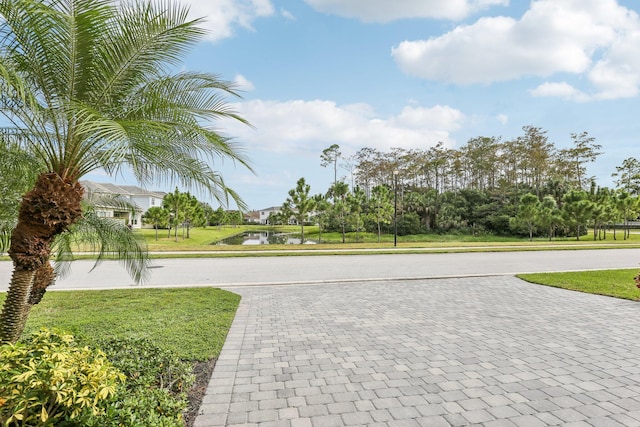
[[598, 39], [222, 16], [560, 89], [503, 119], [243, 83], [298, 126], [386, 11], [288, 15]]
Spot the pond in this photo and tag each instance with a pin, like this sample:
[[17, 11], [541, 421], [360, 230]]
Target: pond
[[264, 238]]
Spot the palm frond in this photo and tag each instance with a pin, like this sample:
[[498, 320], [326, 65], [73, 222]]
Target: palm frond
[[18, 171], [90, 83], [107, 238]]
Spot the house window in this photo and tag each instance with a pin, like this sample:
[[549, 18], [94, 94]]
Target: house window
[[153, 201]]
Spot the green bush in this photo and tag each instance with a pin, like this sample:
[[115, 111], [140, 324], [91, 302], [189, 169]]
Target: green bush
[[50, 380], [146, 364], [155, 393]]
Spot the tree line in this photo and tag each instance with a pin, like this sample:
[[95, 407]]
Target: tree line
[[182, 210], [521, 187]]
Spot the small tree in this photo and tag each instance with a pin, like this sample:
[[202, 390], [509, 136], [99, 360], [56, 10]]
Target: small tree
[[381, 207], [176, 204], [156, 216], [193, 213], [338, 192], [322, 210], [356, 201], [549, 216], [576, 210], [528, 211], [300, 204]]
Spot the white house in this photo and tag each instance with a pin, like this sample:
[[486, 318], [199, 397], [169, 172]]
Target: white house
[[265, 213], [138, 197]]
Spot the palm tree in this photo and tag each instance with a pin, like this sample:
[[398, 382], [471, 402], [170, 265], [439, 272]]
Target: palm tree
[[176, 204], [156, 216], [88, 85]]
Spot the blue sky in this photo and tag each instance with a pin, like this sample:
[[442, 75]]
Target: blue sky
[[410, 73]]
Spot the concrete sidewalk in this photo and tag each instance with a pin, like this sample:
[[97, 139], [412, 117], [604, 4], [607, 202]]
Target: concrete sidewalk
[[492, 351]]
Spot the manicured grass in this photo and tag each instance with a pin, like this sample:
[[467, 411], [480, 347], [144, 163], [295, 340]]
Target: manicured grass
[[198, 237], [190, 322], [615, 283]]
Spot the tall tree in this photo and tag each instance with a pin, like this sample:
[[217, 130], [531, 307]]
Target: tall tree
[[329, 157], [537, 151], [628, 174], [584, 150], [300, 204], [87, 85]]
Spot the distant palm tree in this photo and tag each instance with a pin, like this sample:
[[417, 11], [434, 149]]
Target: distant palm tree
[[156, 216], [89, 85]]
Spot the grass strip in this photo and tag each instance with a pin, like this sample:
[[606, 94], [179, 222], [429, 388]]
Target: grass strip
[[190, 322], [613, 283]]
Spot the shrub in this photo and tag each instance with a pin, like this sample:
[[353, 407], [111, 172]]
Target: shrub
[[145, 364], [409, 223], [155, 393], [50, 380]]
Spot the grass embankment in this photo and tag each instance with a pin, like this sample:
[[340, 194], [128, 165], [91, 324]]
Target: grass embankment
[[191, 322], [205, 239], [614, 283]]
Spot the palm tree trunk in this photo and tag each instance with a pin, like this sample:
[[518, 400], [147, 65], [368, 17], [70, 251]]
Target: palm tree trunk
[[16, 307], [46, 211]]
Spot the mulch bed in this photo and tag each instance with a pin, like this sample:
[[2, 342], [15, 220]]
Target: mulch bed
[[202, 371]]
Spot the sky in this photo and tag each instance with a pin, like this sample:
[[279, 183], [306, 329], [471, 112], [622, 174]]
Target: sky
[[412, 73]]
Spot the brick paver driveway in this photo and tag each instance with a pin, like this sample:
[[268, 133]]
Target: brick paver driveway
[[492, 351]]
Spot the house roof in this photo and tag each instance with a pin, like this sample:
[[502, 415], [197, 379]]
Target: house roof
[[122, 190], [252, 215]]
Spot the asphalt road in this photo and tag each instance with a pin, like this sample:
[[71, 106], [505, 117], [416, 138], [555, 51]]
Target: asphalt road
[[245, 271]]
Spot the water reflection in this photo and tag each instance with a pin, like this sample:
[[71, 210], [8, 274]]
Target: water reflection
[[264, 238]]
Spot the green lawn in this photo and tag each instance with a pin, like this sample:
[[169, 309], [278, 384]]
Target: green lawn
[[191, 322], [615, 283], [203, 239]]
